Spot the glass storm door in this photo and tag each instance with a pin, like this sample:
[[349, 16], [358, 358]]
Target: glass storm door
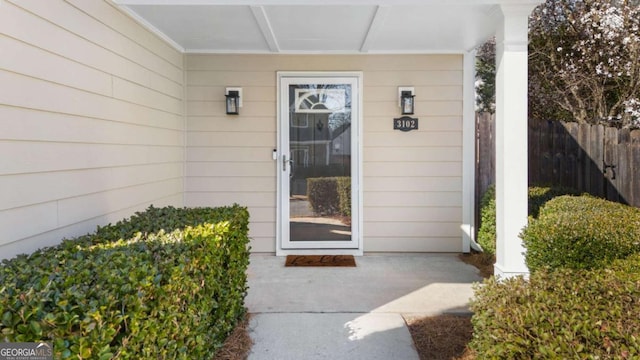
[[318, 187]]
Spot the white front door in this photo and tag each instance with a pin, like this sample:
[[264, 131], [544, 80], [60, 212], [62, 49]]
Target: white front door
[[319, 162]]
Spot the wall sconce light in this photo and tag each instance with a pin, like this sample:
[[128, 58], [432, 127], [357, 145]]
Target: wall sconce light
[[406, 97], [233, 100]]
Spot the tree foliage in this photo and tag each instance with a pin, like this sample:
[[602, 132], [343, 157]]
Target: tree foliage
[[486, 76], [583, 62]]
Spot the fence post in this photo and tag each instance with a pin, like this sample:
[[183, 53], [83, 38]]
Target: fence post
[[611, 166], [572, 148]]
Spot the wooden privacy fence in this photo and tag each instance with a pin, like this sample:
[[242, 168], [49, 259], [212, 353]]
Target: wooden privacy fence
[[602, 161], [485, 154], [599, 160]]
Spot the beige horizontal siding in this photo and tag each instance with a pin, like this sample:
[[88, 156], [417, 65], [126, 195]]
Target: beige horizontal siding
[[420, 153], [401, 77], [256, 228], [216, 93], [46, 237], [140, 95], [324, 63], [389, 109], [77, 209], [263, 215], [211, 154], [412, 199], [414, 244], [18, 91], [27, 189], [229, 77], [259, 200], [229, 139], [22, 222], [399, 139], [227, 184], [412, 184], [91, 120], [432, 93], [22, 25], [401, 214], [36, 126], [412, 181], [412, 169], [214, 169], [41, 156], [110, 16], [223, 198], [222, 123], [426, 123], [264, 109], [41, 64], [28, 221], [412, 229]]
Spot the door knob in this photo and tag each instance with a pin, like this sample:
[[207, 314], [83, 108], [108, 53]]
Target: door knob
[[285, 162]]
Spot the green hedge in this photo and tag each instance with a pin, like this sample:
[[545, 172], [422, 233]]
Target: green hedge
[[165, 284], [538, 196], [564, 314], [330, 195], [487, 229], [581, 233], [343, 185]]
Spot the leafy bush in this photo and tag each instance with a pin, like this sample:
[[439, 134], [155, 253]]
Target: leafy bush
[[343, 185], [330, 195], [487, 229], [564, 314], [581, 233], [538, 196], [166, 284]]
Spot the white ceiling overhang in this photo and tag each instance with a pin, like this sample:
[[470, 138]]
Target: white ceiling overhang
[[312, 26]]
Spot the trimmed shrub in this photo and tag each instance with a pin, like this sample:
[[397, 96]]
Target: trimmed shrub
[[343, 185], [538, 196], [487, 229], [581, 233], [330, 195], [564, 314], [166, 284]]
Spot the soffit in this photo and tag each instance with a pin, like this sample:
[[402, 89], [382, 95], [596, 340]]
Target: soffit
[[334, 26]]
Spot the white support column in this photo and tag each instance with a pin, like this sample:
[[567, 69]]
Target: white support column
[[468, 151], [511, 139]]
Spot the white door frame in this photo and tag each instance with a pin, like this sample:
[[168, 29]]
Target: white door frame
[[284, 78]]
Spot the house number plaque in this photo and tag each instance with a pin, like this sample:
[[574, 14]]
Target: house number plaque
[[405, 123]]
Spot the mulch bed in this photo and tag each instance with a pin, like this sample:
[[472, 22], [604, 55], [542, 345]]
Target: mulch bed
[[443, 337], [482, 261], [238, 344]]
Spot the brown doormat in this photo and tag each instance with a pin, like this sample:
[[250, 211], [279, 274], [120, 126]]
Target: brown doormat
[[320, 260]]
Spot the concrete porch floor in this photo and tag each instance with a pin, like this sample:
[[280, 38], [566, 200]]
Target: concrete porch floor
[[351, 313]]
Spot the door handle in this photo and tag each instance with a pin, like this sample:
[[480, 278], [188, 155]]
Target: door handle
[[285, 162]]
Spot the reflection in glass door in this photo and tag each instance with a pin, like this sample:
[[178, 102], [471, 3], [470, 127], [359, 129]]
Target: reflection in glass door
[[317, 165]]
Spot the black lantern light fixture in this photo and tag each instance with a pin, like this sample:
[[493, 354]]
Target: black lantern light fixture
[[406, 101], [234, 101]]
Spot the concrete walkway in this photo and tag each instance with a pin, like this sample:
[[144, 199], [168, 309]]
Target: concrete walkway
[[351, 313]]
